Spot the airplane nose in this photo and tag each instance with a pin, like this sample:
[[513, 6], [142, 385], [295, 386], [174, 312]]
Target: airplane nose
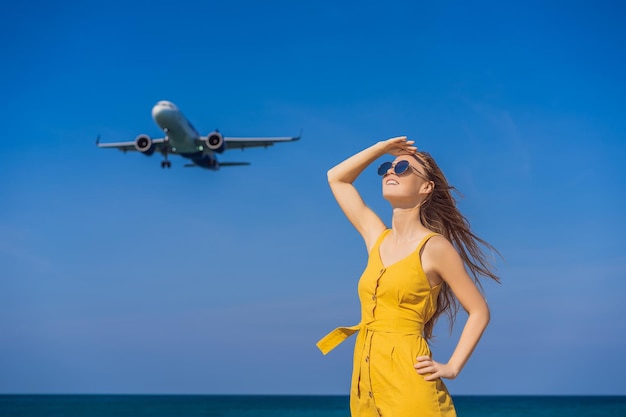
[[161, 115], [156, 110]]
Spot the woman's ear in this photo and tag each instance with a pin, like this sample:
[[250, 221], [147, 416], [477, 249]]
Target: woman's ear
[[428, 187]]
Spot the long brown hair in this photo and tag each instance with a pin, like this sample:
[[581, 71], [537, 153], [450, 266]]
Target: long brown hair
[[439, 213]]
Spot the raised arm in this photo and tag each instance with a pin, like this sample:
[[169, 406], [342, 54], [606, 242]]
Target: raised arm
[[341, 177]]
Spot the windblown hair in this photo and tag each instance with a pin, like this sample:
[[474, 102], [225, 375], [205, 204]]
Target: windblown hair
[[439, 213]]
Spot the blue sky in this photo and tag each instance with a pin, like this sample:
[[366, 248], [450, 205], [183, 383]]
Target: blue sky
[[119, 277]]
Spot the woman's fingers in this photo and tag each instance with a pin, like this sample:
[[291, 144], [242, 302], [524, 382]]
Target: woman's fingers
[[398, 139], [402, 150], [432, 376], [400, 145], [409, 149], [425, 365]]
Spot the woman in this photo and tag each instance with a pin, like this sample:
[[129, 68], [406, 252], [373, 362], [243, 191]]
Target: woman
[[414, 274]]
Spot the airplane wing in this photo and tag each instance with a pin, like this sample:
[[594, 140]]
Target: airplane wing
[[158, 144], [242, 143]]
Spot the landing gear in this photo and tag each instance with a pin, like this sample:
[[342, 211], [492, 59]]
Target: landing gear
[[165, 163]]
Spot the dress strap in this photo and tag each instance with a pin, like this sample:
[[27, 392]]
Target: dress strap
[[380, 240], [424, 240]]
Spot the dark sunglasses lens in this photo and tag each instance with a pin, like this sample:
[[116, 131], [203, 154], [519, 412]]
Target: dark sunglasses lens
[[382, 170], [401, 167]]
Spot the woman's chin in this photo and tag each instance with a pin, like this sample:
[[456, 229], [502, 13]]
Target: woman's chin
[[399, 199]]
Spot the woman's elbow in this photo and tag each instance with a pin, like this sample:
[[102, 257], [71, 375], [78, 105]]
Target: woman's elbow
[[481, 313], [332, 175], [329, 175], [485, 314]]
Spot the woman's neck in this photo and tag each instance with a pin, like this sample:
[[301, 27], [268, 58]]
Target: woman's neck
[[406, 224]]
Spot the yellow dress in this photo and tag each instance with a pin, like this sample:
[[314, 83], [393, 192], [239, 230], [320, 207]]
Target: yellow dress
[[396, 301]]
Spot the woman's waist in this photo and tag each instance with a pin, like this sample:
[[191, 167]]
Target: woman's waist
[[394, 325]]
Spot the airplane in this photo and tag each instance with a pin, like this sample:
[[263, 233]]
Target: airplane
[[181, 138]]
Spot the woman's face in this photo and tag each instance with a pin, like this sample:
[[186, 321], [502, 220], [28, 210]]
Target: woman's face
[[407, 187]]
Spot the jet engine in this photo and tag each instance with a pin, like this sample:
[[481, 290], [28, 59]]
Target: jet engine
[[144, 144], [215, 142]]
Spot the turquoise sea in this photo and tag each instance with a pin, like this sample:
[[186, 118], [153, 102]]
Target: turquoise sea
[[289, 406]]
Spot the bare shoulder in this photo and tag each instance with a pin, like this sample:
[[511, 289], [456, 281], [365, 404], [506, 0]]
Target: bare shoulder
[[439, 246], [441, 258]]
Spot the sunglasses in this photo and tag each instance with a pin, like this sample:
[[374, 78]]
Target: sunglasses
[[399, 168]]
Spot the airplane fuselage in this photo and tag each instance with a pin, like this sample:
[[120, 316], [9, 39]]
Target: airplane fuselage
[[182, 136]]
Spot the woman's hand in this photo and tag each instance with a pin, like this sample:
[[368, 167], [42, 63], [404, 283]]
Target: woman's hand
[[426, 365], [399, 146]]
